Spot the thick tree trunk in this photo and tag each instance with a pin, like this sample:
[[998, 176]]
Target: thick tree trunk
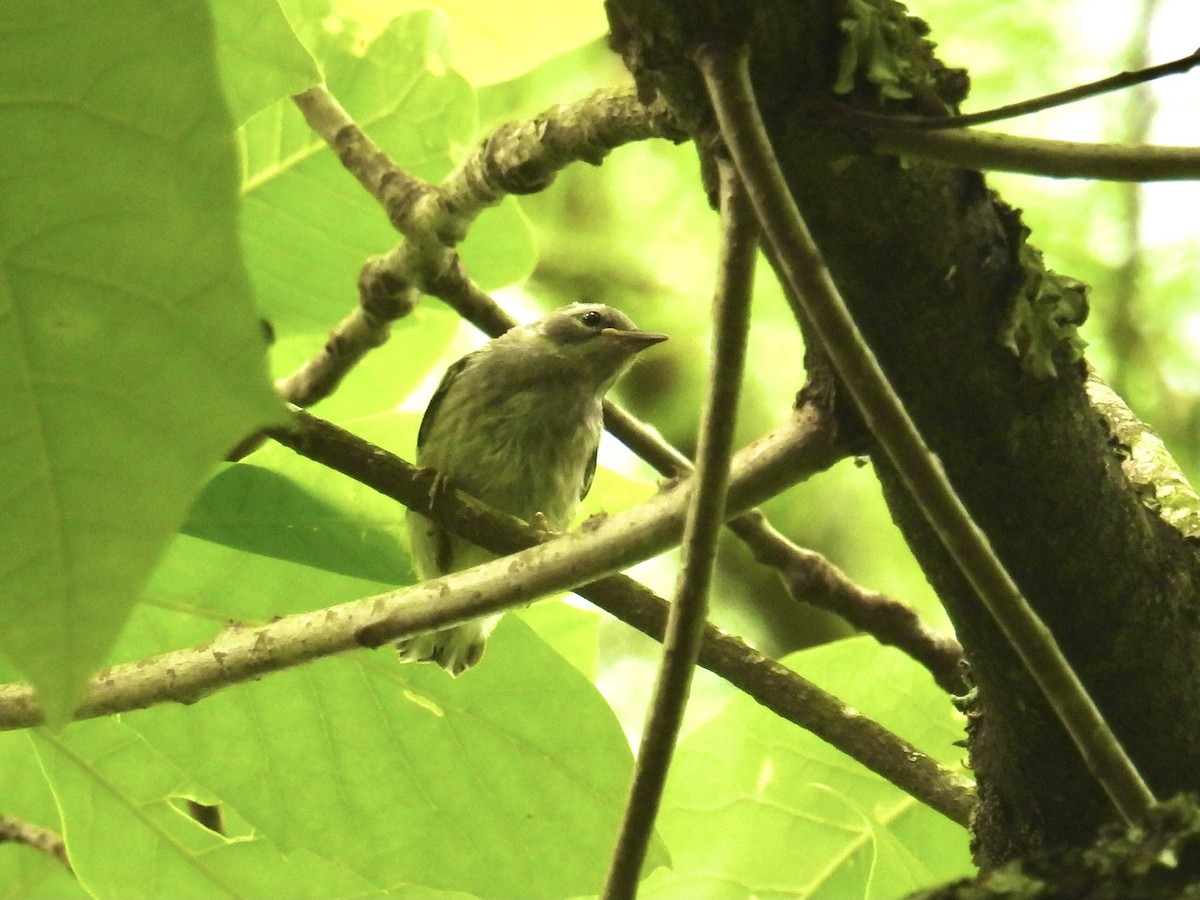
[[927, 259]]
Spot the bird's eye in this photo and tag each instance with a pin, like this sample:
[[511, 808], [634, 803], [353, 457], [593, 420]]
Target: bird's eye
[[591, 319]]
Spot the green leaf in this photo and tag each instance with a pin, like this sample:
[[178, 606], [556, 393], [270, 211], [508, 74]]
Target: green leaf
[[465, 785], [299, 511], [130, 354], [26, 872], [758, 807], [259, 55], [571, 630], [494, 43], [308, 226], [129, 836]]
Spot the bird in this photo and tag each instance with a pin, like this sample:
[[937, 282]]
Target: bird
[[517, 425]]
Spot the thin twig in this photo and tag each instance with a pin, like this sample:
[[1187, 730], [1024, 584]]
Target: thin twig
[[811, 578], [706, 512], [1037, 156], [18, 831], [1116, 82], [726, 76]]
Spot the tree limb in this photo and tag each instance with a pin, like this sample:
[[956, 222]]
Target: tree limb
[[797, 449], [811, 578], [706, 512], [726, 75], [1036, 156]]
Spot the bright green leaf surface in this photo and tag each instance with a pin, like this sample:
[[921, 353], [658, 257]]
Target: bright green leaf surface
[[308, 225], [462, 785], [260, 57], [494, 43], [466, 784], [128, 834], [130, 358], [757, 807], [27, 873], [282, 505], [299, 511], [571, 630]]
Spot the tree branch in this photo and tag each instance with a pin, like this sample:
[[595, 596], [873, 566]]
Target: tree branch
[[1117, 82], [240, 653], [521, 156], [1035, 156], [525, 157], [706, 512], [726, 76], [18, 831], [518, 157], [811, 578]]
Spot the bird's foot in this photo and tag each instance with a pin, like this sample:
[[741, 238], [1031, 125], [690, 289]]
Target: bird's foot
[[438, 483], [542, 525], [454, 649]]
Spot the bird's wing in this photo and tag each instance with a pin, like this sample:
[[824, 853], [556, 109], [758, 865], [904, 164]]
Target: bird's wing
[[589, 473], [439, 395]]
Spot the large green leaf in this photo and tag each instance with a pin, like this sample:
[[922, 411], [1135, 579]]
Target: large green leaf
[[129, 836], [25, 872], [282, 505], [468, 784], [308, 225], [757, 807], [495, 43], [130, 355], [331, 522], [259, 55]]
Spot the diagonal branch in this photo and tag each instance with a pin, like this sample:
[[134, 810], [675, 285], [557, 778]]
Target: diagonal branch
[[791, 453], [516, 157], [727, 78], [811, 578], [18, 831], [706, 512]]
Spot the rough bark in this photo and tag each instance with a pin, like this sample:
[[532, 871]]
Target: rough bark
[[927, 259]]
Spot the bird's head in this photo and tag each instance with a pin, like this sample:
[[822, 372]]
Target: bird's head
[[593, 342]]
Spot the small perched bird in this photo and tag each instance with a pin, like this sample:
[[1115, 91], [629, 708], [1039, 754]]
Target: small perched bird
[[517, 424]]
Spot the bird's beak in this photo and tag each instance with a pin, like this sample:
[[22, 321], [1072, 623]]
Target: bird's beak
[[633, 341]]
